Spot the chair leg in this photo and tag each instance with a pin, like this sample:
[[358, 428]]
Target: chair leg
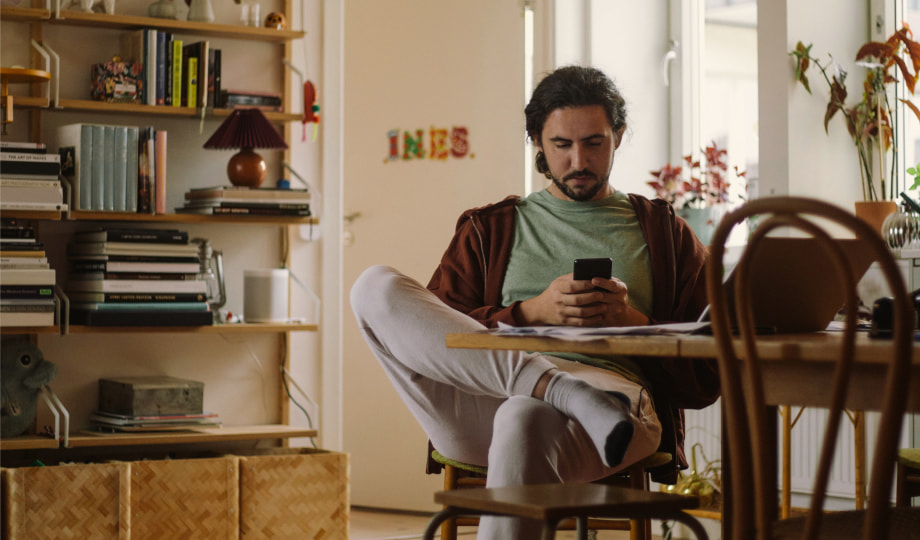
[[639, 529], [900, 489], [449, 526]]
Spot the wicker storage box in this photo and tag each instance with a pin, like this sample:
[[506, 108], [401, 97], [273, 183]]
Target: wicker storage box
[[162, 499], [185, 498], [294, 493], [66, 501]]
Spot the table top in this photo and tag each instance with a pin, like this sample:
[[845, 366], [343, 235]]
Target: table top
[[816, 347], [796, 367]]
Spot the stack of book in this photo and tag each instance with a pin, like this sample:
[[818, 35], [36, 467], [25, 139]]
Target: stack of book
[[111, 422], [232, 200], [136, 277], [26, 279], [30, 178]]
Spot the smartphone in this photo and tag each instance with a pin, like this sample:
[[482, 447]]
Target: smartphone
[[585, 269]]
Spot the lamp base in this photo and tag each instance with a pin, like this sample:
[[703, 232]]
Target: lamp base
[[247, 169]]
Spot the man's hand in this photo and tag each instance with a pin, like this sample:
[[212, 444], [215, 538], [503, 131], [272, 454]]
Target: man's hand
[[566, 302]]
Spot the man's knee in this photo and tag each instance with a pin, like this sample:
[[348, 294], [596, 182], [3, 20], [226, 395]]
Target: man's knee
[[525, 421], [372, 287]]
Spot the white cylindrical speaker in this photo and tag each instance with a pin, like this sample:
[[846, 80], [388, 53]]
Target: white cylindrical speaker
[[265, 295]]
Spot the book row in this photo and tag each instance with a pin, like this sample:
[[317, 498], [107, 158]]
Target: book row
[[114, 168], [172, 72]]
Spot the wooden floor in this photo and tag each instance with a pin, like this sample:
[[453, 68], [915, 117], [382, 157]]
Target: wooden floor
[[371, 524]]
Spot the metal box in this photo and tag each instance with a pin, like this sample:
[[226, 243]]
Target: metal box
[[150, 396]]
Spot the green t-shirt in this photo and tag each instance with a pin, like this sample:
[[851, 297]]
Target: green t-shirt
[[551, 233]]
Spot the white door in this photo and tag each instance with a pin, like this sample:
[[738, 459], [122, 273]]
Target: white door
[[433, 125]]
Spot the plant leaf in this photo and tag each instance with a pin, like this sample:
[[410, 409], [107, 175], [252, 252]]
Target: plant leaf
[[912, 107]]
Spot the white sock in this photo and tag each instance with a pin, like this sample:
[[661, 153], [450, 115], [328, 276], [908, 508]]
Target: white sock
[[605, 416]]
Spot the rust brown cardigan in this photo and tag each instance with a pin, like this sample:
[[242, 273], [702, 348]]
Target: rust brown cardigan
[[470, 275]]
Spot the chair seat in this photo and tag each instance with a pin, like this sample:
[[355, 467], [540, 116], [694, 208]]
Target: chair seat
[[550, 503], [904, 524], [909, 457]]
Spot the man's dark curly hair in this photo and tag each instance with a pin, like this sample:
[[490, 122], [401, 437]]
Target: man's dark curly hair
[[572, 86]]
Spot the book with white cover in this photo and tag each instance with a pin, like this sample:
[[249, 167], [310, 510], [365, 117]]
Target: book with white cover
[[37, 276], [41, 191], [133, 248], [138, 285], [26, 318]]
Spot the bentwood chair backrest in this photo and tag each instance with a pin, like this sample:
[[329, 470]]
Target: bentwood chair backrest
[[753, 496]]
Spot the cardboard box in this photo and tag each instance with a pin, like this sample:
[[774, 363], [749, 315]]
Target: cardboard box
[[150, 396], [117, 82]]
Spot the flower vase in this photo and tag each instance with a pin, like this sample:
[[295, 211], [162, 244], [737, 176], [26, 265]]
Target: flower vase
[[875, 212], [201, 11], [702, 221]]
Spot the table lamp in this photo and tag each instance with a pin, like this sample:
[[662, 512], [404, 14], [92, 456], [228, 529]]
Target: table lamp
[[246, 129]]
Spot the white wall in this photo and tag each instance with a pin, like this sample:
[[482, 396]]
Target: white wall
[[797, 157]]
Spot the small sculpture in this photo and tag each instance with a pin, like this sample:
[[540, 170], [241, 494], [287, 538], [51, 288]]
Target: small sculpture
[[275, 20], [25, 371], [163, 9]]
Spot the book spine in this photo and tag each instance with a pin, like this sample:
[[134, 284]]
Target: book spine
[[43, 207], [159, 236], [177, 73], [150, 43], [161, 172], [30, 167], [84, 186], [138, 297], [144, 167], [108, 168], [120, 164], [29, 194], [161, 39], [192, 90], [257, 211], [131, 166], [98, 162], [29, 156], [17, 146]]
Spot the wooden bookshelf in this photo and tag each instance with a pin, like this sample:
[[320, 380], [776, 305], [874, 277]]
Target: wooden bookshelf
[[89, 105], [24, 14], [87, 439], [233, 328], [190, 218], [204, 29]]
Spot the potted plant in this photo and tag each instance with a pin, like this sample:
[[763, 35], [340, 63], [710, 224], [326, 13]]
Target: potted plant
[[698, 190], [869, 120]]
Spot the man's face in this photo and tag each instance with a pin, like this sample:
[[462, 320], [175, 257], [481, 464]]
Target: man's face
[[579, 144]]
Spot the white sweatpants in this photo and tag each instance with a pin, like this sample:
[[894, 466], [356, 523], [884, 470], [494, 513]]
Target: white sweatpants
[[476, 405]]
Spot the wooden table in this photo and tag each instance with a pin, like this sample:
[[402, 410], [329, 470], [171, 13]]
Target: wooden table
[[796, 367]]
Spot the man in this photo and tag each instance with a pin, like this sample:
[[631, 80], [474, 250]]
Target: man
[[530, 417]]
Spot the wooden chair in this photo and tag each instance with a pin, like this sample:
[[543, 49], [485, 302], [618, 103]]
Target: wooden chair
[[907, 484], [459, 475], [551, 503], [749, 478]]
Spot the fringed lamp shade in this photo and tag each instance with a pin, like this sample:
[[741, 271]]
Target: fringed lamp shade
[[246, 129]]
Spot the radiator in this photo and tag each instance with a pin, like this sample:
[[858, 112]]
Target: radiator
[[704, 427]]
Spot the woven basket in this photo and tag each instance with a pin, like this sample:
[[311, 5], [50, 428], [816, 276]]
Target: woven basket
[[185, 498], [67, 501], [294, 493]]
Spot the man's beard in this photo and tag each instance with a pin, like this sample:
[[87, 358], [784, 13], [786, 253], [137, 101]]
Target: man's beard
[[580, 195]]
